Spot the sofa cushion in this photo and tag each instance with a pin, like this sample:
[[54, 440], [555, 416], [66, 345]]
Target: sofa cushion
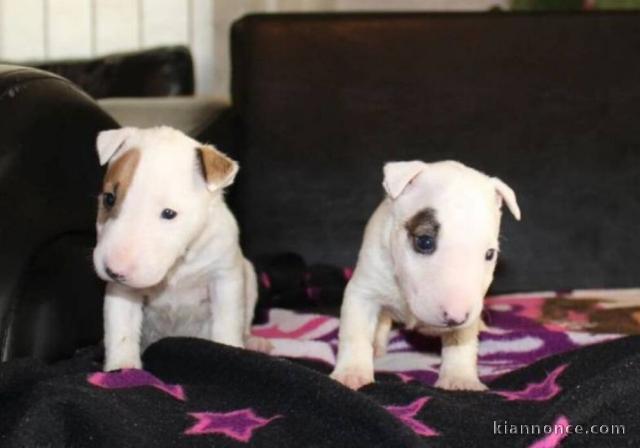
[[163, 71]]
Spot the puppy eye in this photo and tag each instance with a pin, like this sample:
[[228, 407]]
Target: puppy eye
[[490, 254], [424, 244], [167, 213], [108, 199]]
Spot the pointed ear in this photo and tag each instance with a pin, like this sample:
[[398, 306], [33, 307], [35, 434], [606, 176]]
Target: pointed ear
[[218, 170], [506, 194], [397, 175], [110, 142]]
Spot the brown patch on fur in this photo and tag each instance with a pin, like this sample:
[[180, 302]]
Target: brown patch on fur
[[215, 166], [423, 223], [117, 181]]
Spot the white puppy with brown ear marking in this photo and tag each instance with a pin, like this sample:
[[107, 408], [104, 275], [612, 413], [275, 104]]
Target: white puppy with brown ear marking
[[427, 260], [168, 245]]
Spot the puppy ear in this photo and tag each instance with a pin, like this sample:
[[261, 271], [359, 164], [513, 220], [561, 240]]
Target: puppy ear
[[504, 192], [397, 175], [218, 170], [110, 142]]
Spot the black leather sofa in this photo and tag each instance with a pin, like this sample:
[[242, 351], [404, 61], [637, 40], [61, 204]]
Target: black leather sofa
[[550, 103]]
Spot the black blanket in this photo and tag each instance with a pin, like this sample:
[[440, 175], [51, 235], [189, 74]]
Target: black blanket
[[197, 393]]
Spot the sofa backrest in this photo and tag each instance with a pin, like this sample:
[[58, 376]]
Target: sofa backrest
[[550, 103], [162, 71]]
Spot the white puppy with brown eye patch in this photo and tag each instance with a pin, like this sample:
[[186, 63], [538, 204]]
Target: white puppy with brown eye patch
[[168, 245], [427, 261]]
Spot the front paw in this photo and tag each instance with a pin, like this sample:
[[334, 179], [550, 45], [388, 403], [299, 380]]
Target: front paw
[[132, 362], [453, 382], [353, 377]]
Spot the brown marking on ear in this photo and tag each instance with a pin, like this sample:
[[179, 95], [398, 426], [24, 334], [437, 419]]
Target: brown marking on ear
[[117, 181], [216, 167]]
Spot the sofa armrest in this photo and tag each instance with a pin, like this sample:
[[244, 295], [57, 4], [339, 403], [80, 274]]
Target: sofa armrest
[[50, 300]]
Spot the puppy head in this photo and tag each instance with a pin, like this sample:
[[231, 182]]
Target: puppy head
[[157, 192], [444, 242]]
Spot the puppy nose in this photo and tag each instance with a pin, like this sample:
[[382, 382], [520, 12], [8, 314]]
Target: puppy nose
[[450, 321], [113, 275]]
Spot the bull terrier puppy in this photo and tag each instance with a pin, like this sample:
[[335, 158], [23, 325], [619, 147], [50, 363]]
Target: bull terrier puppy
[[427, 260], [168, 245]]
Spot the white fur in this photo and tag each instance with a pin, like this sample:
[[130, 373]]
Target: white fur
[[183, 277], [391, 279]]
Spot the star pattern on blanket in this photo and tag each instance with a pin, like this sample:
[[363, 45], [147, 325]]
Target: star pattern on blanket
[[406, 414], [544, 390], [554, 439], [128, 378], [405, 377], [239, 424]]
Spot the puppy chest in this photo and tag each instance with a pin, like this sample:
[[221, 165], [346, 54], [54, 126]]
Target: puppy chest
[[177, 313]]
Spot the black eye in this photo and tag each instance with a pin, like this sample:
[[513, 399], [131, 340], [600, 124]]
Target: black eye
[[108, 199], [424, 244], [167, 213], [490, 254]]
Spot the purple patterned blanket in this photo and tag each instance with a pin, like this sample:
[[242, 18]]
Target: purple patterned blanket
[[552, 382], [521, 329]]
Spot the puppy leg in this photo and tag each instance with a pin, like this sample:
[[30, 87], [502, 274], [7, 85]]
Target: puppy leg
[[381, 338], [358, 321], [228, 307], [459, 368], [254, 343], [122, 326]]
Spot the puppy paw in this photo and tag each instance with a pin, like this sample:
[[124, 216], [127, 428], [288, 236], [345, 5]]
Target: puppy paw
[[258, 344], [122, 363], [353, 377], [451, 382]]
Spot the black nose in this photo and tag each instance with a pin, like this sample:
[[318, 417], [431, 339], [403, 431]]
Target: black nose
[[450, 322], [113, 275]]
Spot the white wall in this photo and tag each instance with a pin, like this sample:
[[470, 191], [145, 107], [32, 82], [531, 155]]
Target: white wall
[[54, 29]]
